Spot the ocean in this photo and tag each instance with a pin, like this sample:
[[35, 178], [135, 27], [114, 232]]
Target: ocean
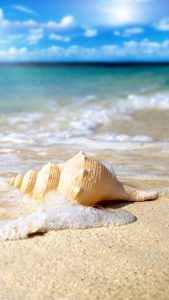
[[119, 113]]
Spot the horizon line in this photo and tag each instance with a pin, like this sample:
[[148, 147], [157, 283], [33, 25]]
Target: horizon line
[[87, 63]]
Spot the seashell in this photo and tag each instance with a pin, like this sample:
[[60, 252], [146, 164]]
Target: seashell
[[47, 180], [18, 181], [38, 184], [11, 180], [28, 182], [82, 179], [87, 181]]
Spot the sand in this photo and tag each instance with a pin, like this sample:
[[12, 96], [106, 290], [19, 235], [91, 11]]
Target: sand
[[126, 262], [152, 122]]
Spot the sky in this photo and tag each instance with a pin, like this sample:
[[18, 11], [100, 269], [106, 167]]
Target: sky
[[84, 30]]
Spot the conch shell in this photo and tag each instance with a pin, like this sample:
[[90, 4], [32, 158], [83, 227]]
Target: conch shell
[[47, 180], [82, 178], [38, 184]]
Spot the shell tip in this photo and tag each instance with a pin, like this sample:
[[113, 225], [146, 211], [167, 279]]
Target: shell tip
[[81, 152]]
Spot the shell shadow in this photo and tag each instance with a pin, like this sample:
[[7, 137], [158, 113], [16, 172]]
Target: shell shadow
[[35, 234], [113, 204]]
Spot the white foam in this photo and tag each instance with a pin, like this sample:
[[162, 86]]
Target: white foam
[[78, 120], [141, 138], [113, 137], [73, 127], [54, 214]]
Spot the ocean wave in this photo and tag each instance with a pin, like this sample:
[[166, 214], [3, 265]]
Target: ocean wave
[[76, 139], [133, 102], [89, 119], [114, 137]]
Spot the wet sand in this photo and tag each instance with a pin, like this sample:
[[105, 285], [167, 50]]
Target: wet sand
[[152, 122], [126, 262]]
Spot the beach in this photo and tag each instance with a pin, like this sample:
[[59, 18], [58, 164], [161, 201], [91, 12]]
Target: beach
[[127, 262], [123, 262], [119, 116]]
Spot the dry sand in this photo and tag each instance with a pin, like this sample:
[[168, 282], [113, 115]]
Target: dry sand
[[127, 262]]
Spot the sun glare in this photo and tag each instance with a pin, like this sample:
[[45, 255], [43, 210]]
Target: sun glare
[[122, 14]]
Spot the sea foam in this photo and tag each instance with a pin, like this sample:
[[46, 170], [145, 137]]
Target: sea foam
[[90, 120], [26, 217]]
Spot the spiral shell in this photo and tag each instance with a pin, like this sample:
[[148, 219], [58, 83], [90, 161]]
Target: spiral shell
[[82, 179], [38, 184], [46, 181]]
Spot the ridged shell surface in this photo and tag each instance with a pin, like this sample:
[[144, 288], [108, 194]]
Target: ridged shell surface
[[18, 181], [38, 184], [47, 180], [81, 178], [87, 181], [28, 182]]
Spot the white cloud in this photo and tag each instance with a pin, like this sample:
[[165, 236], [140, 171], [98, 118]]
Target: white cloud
[[3, 22], [31, 32], [129, 31], [24, 24], [35, 35], [24, 9], [162, 25], [147, 49], [13, 53], [109, 50], [65, 22], [134, 30], [8, 39], [7, 25], [91, 33], [143, 50], [57, 37], [1, 14], [71, 52]]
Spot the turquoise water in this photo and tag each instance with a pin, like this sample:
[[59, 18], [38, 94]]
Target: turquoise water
[[31, 88], [63, 104]]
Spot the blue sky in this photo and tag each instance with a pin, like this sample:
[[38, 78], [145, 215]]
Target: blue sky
[[86, 30]]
